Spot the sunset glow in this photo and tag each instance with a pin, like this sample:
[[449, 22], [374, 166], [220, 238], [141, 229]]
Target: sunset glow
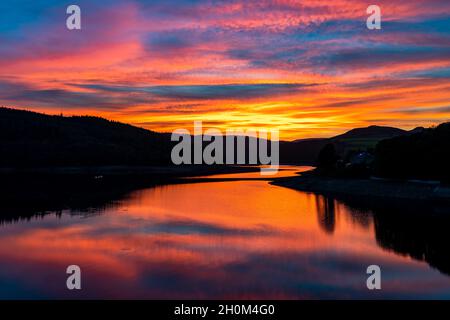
[[309, 68]]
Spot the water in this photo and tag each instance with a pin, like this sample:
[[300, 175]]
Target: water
[[226, 240]]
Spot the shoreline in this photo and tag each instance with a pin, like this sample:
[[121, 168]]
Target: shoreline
[[366, 188], [170, 172]]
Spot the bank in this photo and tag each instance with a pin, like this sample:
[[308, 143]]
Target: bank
[[368, 188]]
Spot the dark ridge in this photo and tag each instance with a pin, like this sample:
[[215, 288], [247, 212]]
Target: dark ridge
[[376, 132], [422, 155], [33, 139]]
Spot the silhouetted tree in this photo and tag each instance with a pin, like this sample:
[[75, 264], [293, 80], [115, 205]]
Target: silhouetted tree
[[327, 159], [423, 155]]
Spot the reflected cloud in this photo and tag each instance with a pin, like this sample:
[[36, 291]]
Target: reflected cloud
[[274, 243]]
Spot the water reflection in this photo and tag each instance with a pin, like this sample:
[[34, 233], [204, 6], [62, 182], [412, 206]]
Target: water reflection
[[417, 230], [326, 213], [234, 239], [416, 237]]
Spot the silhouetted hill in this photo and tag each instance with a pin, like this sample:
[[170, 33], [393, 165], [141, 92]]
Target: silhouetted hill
[[372, 132], [301, 151], [417, 130], [33, 139], [422, 155], [307, 150], [30, 139]]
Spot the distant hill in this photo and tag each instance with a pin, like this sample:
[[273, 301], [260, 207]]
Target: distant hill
[[301, 151], [307, 150], [372, 132], [33, 139]]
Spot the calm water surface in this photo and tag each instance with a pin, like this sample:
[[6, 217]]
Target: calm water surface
[[230, 239]]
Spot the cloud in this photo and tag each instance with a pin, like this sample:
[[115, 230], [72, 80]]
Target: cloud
[[423, 110], [370, 58], [196, 227], [20, 93], [208, 92], [235, 61]]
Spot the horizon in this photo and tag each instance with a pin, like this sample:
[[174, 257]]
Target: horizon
[[304, 68], [204, 129]]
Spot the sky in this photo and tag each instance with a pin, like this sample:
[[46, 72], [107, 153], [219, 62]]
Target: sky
[[309, 68]]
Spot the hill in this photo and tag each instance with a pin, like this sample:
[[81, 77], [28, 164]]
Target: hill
[[33, 139], [307, 150], [372, 132]]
